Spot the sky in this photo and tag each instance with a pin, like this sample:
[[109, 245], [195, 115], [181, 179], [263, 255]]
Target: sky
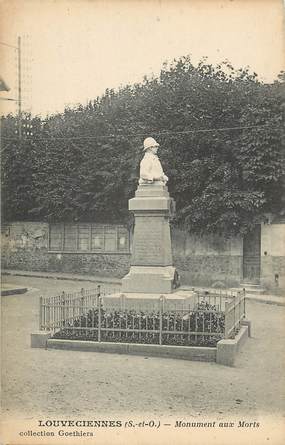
[[73, 50]]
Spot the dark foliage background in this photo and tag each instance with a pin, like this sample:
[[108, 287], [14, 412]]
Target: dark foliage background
[[83, 164]]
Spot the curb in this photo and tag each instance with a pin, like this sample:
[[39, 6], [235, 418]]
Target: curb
[[224, 354], [58, 277], [262, 300], [195, 353], [18, 290], [227, 349]]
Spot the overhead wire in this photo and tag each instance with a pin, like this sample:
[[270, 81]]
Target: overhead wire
[[156, 133]]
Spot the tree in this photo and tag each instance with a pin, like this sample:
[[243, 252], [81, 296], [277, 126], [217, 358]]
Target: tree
[[221, 146], [17, 170]]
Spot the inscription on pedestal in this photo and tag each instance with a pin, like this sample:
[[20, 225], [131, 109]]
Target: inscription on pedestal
[[151, 263], [152, 242]]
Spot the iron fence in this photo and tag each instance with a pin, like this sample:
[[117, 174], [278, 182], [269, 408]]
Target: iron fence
[[84, 316], [234, 314], [216, 298]]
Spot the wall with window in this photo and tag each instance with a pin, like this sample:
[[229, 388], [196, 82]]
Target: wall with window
[[88, 238], [104, 249], [95, 249]]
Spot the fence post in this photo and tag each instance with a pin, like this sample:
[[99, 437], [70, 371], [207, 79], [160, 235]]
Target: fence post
[[82, 301], [99, 318], [62, 309], [160, 318], [234, 315], [41, 314], [226, 320], [47, 313], [244, 302], [239, 309], [122, 302], [54, 313]]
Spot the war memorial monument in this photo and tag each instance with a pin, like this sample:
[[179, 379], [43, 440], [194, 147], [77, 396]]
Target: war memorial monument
[[150, 314], [151, 263], [152, 276]]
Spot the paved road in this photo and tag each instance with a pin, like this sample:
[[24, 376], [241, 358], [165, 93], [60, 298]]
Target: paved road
[[277, 298], [55, 383]]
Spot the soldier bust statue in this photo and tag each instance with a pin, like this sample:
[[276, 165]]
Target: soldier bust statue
[[150, 167]]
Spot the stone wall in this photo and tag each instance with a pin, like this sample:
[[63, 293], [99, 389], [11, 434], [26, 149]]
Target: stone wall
[[208, 260], [211, 260], [25, 247], [113, 265], [199, 261]]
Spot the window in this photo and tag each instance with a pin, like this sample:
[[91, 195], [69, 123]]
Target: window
[[56, 237], [70, 237], [85, 237]]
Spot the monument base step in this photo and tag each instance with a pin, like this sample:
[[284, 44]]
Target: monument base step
[[150, 302], [148, 279]]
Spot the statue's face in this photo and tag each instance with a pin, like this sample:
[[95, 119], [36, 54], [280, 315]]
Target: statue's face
[[154, 150]]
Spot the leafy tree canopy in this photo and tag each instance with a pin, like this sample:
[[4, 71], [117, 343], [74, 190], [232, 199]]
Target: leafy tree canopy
[[221, 137]]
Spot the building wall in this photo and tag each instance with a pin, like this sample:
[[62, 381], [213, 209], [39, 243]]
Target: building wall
[[273, 256], [206, 261], [25, 247]]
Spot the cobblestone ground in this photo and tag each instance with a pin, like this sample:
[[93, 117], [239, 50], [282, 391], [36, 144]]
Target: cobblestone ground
[[53, 383]]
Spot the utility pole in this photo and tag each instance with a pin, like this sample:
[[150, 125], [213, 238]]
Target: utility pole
[[19, 72], [19, 90]]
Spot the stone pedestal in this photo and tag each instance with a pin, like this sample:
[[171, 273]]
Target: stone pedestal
[[151, 263]]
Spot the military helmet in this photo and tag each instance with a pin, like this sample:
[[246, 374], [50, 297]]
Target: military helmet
[[149, 142]]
